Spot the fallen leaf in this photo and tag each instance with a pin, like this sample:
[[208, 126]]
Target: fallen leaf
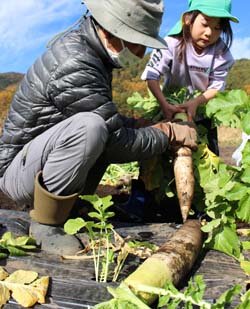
[[28, 295], [24, 286], [4, 294], [245, 265], [22, 277], [41, 287], [243, 232]]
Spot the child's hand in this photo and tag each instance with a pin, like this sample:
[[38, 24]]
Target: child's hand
[[190, 108], [170, 110]]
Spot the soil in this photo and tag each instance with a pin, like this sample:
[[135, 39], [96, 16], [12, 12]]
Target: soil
[[118, 193]]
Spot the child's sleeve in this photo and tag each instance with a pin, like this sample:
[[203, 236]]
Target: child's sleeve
[[218, 75], [159, 64]]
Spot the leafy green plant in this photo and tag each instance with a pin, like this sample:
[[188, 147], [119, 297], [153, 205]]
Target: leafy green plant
[[107, 247], [15, 246], [230, 109], [170, 297], [226, 188], [221, 191], [245, 301], [149, 107], [99, 231], [120, 174]]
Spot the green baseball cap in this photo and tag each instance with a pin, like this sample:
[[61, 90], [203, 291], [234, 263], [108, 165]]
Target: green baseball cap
[[136, 22], [212, 8]]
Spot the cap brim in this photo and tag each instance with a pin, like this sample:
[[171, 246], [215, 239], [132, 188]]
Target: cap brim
[[216, 13], [121, 30]]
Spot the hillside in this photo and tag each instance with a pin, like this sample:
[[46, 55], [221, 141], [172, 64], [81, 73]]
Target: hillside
[[8, 85], [239, 76], [7, 79], [125, 82]]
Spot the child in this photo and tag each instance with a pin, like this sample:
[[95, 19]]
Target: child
[[197, 57]]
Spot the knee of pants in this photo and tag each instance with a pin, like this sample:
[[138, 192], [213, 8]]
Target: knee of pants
[[80, 143], [91, 120], [89, 127]]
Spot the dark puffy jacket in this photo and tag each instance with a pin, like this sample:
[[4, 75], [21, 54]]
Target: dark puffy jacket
[[73, 75]]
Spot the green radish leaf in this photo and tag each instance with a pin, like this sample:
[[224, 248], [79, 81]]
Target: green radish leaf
[[245, 123], [227, 241], [245, 177], [246, 156], [95, 215], [243, 210], [93, 199], [28, 247], [195, 288], [123, 292], [15, 246], [226, 298], [14, 251], [246, 245], [72, 226], [116, 304], [237, 192], [3, 255], [107, 202], [245, 301], [109, 214], [211, 225], [245, 265]]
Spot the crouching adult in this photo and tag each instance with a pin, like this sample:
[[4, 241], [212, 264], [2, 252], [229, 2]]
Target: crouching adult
[[63, 128]]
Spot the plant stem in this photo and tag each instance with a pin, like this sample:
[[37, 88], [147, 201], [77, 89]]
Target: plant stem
[[95, 260], [119, 267], [107, 256], [163, 292]]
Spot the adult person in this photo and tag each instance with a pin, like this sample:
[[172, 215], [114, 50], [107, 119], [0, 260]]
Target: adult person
[[63, 128]]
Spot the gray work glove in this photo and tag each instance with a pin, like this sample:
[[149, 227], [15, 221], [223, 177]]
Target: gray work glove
[[179, 134]]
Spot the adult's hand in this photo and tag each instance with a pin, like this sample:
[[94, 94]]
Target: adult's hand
[[179, 134]]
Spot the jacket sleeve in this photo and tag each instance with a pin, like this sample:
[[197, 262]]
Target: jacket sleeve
[[160, 62], [222, 64], [127, 144]]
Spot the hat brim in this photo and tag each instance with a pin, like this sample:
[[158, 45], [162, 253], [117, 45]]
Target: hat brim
[[121, 30], [216, 13], [220, 13]]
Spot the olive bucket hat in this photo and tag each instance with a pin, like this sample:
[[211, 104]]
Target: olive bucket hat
[[135, 21], [212, 8]]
